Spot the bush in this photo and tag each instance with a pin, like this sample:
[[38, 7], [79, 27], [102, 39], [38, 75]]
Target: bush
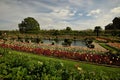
[[19, 66], [37, 40], [88, 42], [67, 42], [56, 40], [53, 43], [91, 46]]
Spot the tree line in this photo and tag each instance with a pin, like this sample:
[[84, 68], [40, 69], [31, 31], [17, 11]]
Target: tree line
[[30, 25]]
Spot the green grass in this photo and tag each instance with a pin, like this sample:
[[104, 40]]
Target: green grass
[[20, 63], [69, 63]]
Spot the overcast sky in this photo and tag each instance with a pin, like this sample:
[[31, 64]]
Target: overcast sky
[[58, 14]]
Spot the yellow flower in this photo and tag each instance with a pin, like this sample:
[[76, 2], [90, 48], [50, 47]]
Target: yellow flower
[[80, 69]]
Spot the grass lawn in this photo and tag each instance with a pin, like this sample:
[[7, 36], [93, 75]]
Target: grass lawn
[[100, 71]]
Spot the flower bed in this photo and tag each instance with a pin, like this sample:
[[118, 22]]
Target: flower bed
[[22, 66], [116, 45], [89, 57], [101, 40], [56, 47]]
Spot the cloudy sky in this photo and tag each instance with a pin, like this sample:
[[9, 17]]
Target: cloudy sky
[[58, 14]]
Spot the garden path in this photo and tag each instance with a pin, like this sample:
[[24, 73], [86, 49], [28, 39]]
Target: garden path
[[99, 48]]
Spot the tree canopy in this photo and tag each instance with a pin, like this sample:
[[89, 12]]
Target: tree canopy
[[28, 25], [97, 30], [114, 25], [68, 28]]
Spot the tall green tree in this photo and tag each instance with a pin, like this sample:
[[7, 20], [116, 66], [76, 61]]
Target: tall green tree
[[116, 22], [114, 27], [68, 29], [97, 30], [29, 24], [56, 32]]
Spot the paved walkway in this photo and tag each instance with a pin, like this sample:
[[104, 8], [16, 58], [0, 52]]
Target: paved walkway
[[99, 48]]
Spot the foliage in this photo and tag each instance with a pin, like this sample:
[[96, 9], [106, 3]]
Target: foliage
[[52, 43], [53, 33], [89, 57], [56, 39], [97, 30], [88, 42], [37, 40], [108, 47], [67, 42], [68, 29], [56, 32], [109, 26], [22, 66], [116, 22], [114, 27], [29, 25]]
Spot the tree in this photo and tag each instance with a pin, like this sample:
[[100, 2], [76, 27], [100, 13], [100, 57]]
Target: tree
[[28, 25], [113, 28], [56, 32], [116, 22], [109, 26], [68, 29], [114, 25], [97, 30], [67, 42]]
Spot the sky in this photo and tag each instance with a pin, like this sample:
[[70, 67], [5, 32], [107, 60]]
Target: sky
[[59, 14]]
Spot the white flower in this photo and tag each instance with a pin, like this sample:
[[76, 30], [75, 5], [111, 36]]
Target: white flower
[[39, 62]]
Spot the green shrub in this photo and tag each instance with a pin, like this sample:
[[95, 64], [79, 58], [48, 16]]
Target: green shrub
[[67, 42]]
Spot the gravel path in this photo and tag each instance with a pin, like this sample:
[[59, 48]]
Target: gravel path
[[99, 48]]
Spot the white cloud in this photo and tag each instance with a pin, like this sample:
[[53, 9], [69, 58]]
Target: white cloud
[[57, 15], [94, 12], [81, 3], [62, 13], [115, 10], [80, 14], [102, 20], [76, 2]]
